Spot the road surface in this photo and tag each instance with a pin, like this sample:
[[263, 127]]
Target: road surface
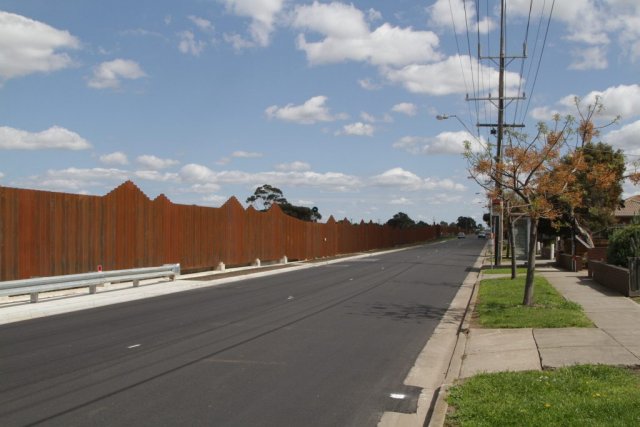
[[324, 346]]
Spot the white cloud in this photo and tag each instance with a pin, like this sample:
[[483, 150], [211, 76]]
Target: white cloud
[[401, 201], [590, 58], [246, 154], [155, 163], [108, 75], [444, 143], [627, 138], [357, 129], [312, 111], [115, 158], [593, 23], [196, 173], [367, 117], [446, 78], [296, 166], [408, 181], [1, 175], [368, 84], [28, 46], [237, 41], [622, 100], [374, 15], [263, 15], [203, 24], [53, 138], [215, 199], [398, 177], [75, 179], [405, 108], [347, 37], [203, 188], [584, 20], [189, 45], [154, 175], [329, 181], [451, 13]]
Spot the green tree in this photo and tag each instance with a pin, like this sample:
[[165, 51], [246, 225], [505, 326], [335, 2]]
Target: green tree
[[466, 223], [301, 212], [266, 195], [401, 220], [487, 218], [600, 180]]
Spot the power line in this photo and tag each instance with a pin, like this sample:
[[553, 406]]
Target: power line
[[455, 34], [544, 43], [526, 41], [466, 23]]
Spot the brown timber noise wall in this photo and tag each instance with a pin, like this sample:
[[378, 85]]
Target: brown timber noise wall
[[46, 233]]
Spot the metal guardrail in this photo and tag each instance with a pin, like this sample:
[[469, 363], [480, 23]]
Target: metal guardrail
[[91, 280]]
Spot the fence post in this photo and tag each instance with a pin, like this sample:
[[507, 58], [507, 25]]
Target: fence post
[[634, 277]]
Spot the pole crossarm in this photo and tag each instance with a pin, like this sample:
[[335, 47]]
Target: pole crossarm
[[504, 125]]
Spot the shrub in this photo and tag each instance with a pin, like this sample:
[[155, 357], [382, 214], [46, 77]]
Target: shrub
[[624, 243]]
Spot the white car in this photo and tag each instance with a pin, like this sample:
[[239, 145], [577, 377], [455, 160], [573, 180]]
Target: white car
[[461, 235]]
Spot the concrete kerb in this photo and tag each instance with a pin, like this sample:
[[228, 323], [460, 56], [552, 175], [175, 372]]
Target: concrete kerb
[[440, 360], [439, 405]]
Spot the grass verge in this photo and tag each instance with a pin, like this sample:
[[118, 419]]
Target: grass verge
[[636, 299], [519, 270], [499, 305], [586, 395]]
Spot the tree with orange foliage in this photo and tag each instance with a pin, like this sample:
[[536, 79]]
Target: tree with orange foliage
[[555, 174], [530, 170]]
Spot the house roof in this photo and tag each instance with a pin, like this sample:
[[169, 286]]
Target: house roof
[[631, 207]]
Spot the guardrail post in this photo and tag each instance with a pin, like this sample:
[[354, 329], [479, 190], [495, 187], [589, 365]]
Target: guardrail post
[[34, 297], [136, 283], [92, 289]]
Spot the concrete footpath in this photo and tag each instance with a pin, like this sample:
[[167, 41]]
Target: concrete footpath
[[615, 340]]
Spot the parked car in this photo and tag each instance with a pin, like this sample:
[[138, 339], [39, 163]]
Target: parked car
[[482, 235], [461, 235]]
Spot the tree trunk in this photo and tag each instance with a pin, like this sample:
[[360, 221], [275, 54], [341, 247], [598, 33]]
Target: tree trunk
[[512, 246], [531, 263]]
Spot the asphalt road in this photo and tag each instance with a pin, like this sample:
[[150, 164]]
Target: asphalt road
[[324, 346]]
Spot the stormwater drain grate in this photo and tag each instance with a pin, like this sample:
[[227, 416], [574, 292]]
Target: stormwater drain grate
[[404, 400]]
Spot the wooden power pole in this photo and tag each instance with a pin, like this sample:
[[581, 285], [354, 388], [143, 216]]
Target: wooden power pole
[[502, 102]]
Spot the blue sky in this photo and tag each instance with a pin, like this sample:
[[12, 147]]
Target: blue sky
[[332, 102]]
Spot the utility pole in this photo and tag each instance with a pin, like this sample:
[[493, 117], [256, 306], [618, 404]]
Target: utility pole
[[501, 125]]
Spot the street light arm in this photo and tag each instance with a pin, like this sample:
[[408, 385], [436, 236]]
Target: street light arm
[[448, 116]]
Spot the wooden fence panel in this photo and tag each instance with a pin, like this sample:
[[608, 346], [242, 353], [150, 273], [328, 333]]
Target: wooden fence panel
[[46, 233]]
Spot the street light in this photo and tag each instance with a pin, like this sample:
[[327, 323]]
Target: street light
[[448, 116]]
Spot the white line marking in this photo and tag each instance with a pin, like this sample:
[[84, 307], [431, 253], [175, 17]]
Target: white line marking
[[134, 346], [398, 396]]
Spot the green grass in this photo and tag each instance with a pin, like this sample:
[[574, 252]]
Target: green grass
[[519, 270], [586, 395], [499, 305], [636, 299]]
